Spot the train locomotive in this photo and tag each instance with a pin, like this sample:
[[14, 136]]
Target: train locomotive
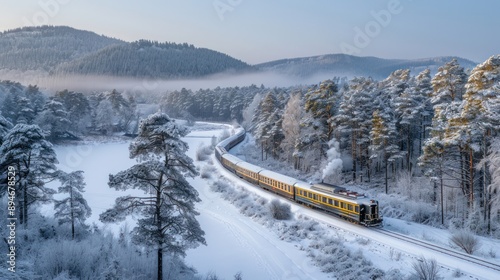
[[352, 206]]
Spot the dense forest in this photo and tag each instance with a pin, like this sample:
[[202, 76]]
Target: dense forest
[[443, 127], [61, 50]]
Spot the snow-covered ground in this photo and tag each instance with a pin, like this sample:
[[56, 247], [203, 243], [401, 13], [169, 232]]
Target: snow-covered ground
[[257, 249]]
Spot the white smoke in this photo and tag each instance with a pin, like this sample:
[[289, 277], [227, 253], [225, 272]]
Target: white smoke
[[333, 170]]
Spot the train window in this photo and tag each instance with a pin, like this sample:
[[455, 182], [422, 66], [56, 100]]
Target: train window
[[356, 209], [315, 197], [330, 201], [349, 207], [310, 195], [342, 205], [336, 203], [323, 199]]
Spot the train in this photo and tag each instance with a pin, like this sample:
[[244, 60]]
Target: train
[[352, 206]]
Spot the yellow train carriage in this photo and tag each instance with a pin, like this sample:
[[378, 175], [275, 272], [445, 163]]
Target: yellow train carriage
[[248, 172], [230, 162], [319, 197], [277, 183]]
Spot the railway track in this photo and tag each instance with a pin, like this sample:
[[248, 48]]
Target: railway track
[[442, 250], [492, 268]]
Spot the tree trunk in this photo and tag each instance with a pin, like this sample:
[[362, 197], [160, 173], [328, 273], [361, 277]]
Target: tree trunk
[[471, 178], [386, 178], [442, 200], [353, 150], [160, 263], [159, 227], [72, 213]]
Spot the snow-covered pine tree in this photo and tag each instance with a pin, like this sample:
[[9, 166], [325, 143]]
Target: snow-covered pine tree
[[267, 128], [321, 102], [25, 148], [53, 119], [412, 110], [21, 104], [473, 127], [492, 161], [167, 211], [74, 208], [353, 122], [423, 88], [5, 126], [292, 117], [444, 162], [26, 112], [383, 145], [78, 107]]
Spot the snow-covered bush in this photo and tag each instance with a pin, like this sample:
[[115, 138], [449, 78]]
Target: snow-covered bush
[[332, 256], [392, 206], [207, 171], [280, 211], [203, 152], [220, 186], [426, 269], [466, 241], [224, 135]]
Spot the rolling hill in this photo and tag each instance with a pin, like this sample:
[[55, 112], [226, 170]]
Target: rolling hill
[[348, 65], [64, 50]]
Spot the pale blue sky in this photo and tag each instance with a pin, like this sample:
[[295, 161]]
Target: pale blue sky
[[261, 30]]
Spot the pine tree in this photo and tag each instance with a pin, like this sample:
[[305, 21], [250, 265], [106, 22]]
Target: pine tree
[[78, 107], [353, 121], [383, 137], [54, 119], [492, 161], [167, 222], [321, 102], [5, 126], [73, 208], [292, 117], [268, 123], [478, 120], [34, 159], [423, 88], [442, 160]]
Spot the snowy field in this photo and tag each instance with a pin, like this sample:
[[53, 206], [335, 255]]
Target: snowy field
[[257, 247]]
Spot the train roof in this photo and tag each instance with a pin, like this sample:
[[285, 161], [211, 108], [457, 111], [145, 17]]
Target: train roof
[[233, 159], [336, 191], [302, 184], [250, 167], [279, 177], [237, 132]]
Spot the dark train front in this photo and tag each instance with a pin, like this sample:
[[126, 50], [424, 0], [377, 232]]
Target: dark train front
[[369, 214]]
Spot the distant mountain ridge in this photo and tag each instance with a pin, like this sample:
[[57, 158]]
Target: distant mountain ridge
[[45, 47], [62, 50], [153, 60], [349, 65]]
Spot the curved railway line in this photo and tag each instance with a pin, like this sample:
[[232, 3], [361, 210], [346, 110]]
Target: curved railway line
[[394, 235]]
